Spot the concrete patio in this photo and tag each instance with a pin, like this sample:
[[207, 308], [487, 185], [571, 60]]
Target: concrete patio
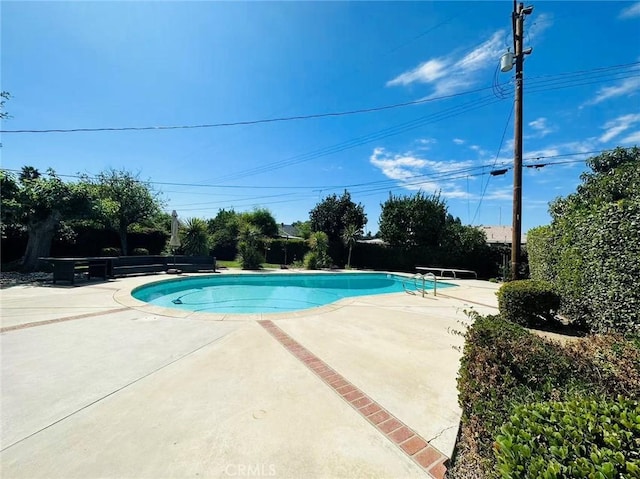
[[97, 384]]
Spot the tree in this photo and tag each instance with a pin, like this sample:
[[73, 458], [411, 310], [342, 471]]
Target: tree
[[9, 209], [409, 221], [350, 236], [303, 228], [4, 96], [123, 200], [195, 237], [248, 246], [262, 219], [334, 213], [318, 256], [40, 204]]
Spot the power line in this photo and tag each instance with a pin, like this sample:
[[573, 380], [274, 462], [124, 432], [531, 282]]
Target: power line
[[444, 175], [253, 122], [504, 133], [599, 70]]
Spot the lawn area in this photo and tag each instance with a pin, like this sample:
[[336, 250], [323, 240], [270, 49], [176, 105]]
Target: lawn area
[[236, 265]]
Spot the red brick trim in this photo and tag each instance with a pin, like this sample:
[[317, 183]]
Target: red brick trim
[[60, 320], [411, 443]]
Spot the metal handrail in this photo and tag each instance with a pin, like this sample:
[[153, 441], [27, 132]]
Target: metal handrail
[[416, 277]]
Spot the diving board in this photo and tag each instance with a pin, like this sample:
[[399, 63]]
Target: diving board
[[454, 272]]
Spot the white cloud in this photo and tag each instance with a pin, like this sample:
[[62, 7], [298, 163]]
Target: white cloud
[[540, 24], [485, 54], [414, 173], [632, 139], [452, 74], [614, 127], [541, 127], [426, 72], [631, 11], [458, 141], [625, 87]]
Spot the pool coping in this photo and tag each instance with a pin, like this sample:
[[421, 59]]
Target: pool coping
[[124, 297]]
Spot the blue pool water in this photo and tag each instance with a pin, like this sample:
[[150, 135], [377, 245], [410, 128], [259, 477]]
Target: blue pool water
[[268, 293]]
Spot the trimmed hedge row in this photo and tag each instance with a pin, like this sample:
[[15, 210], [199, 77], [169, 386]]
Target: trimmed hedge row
[[591, 250], [528, 302], [505, 366], [585, 437]]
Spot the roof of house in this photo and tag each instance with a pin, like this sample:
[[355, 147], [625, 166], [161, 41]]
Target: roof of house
[[288, 231], [500, 234]]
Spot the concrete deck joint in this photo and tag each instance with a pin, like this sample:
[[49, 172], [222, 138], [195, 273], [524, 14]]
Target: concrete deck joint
[[60, 320], [429, 458]]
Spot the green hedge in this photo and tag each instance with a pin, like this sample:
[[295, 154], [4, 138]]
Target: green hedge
[[585, 437], [542, 253], [591, 250], [505, 366], [528, 302]]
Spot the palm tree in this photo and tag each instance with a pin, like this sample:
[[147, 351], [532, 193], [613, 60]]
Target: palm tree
[[350, 236], [195, 237]]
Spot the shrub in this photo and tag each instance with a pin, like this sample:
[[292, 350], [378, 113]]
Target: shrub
[[195, 237], [319, 244], [505, 366], [140, 252], [502, 365], [110, 251], [528, 302], [591, 251], [578, 438], [542, 254], [249, 254], [311, 260]]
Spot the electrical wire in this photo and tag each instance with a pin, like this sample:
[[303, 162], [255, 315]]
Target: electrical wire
[[504, 133], [296, 117]]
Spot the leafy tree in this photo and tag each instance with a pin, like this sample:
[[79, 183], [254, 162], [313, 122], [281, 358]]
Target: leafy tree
[[350, 237], [195, 237], [262, 219], [40, 204], [334, 213], [123, 200], [9, 189], [303, 228], [409, 221], [224, 228]]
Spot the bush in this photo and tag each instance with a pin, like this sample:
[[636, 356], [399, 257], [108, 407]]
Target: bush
[[505, 366], [140, 252], [528, 302], [310, 260], [542, 253], [110, 251], [250, 258], [591, 250], [578, 438]]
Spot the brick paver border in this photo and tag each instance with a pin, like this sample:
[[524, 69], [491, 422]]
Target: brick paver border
[[60, 320], [412, 444]]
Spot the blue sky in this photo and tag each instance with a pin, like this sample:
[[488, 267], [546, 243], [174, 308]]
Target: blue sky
[[75, 65]]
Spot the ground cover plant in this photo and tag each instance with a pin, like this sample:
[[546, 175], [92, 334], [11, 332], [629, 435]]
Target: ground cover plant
[[510, 375]]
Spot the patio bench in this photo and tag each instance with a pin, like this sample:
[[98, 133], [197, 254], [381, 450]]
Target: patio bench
[[192, 264], [125, 265], [66, 269]]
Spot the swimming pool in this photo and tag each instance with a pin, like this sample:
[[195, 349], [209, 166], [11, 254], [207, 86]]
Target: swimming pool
[[270, 292]]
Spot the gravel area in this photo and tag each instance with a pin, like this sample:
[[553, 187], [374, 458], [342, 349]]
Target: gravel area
[[12, 278]]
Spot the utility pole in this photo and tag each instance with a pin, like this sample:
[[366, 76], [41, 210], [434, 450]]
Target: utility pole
[[507, 62]]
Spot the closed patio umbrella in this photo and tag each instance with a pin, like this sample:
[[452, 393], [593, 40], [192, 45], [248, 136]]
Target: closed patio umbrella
[[174, 241]]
